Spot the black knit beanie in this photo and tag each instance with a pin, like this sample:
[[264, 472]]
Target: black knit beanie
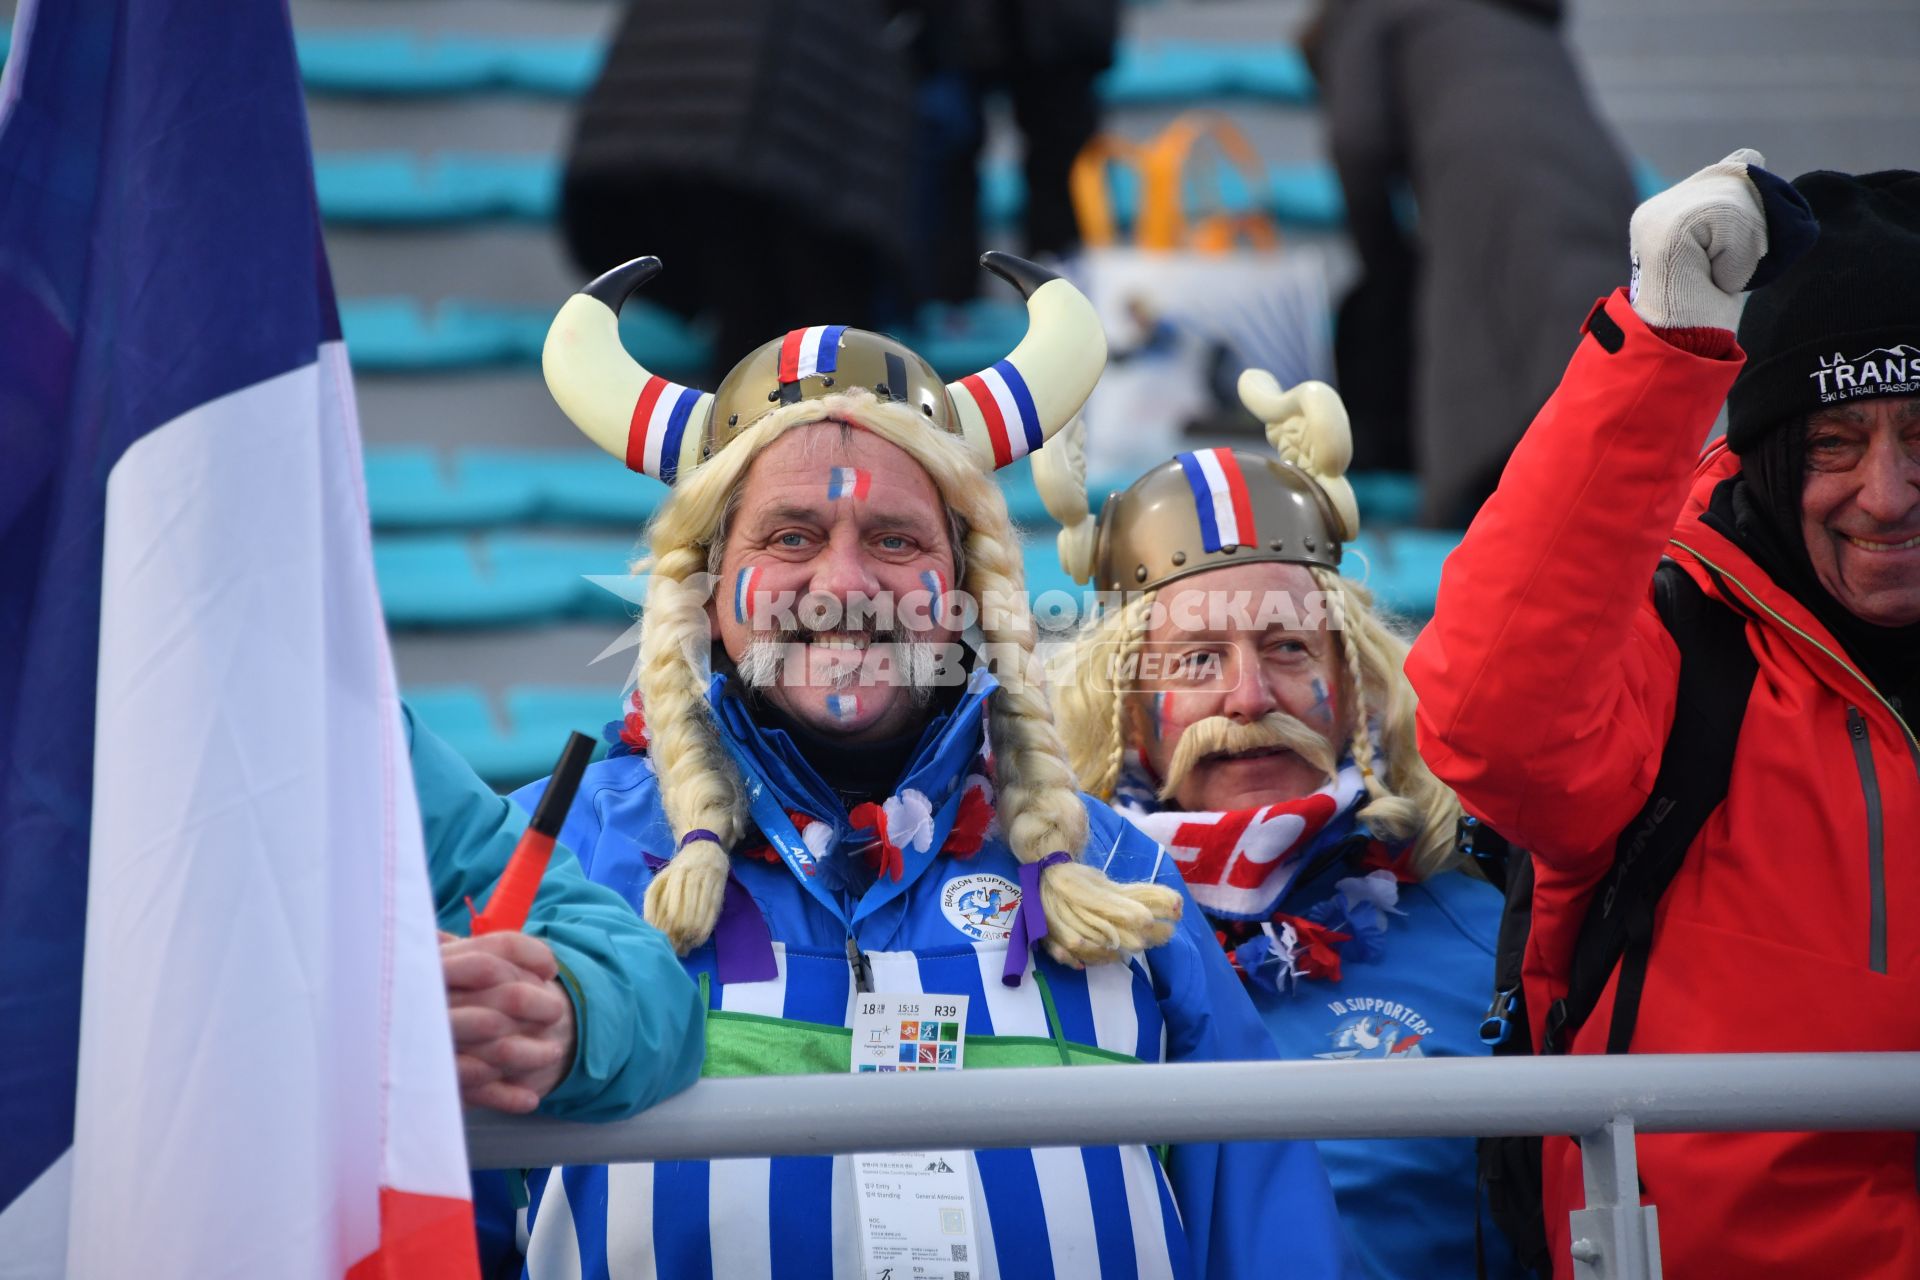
[[1843, 322]]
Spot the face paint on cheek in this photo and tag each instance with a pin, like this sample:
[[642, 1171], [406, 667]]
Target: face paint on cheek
[[1322, 709], [936, 587], [1160, 716], [843, 706], [849, 482], [743, 595]]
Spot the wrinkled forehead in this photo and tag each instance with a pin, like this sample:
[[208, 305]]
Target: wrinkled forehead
[[830, 473], [1237, 599], [1901, 410]]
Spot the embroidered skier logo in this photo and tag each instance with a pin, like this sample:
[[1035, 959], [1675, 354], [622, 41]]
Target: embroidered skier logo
[[981, 906], [1379, 1029]]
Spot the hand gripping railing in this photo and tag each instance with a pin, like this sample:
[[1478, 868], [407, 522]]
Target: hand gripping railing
[[1601, 1100]]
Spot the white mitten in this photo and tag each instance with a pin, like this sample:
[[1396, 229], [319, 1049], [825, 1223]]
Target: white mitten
[[1696, 246]]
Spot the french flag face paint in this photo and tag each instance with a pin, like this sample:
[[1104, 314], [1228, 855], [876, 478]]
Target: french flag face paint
[[1220, 498], [659, 427], [849, 482], [936, 588], [843, 706], [1160, 716], [805, 353], [1013, 423], [743, 595]]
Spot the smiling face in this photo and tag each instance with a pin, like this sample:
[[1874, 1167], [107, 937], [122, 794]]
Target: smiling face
[[1265, 682], [1860, 508], [830, 516]]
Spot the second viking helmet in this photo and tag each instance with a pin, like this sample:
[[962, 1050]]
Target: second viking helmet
[[1003, 412], [1213, 507]]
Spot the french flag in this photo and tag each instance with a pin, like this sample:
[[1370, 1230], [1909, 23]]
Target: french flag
[[743, 595], [805, 353], [843, 706], [658, 427], [1013, 423], [227, 1046], [849, 482], [1220, 498]]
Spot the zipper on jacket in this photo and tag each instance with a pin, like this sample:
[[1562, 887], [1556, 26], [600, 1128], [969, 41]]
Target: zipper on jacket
[[1876, 868], [861, 966], [1913, 742]]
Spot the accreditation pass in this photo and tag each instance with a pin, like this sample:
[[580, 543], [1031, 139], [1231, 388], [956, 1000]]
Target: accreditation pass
[[916, 1208]]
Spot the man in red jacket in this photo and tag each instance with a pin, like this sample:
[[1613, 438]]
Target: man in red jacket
[[1547, 683]]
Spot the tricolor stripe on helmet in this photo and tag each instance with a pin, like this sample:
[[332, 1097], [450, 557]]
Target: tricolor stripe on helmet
[[806, 352], [659, 423], [1220, 498], [1013, 424]]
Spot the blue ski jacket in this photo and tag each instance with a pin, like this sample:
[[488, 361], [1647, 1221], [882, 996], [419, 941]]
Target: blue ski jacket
[[1210, 1210]]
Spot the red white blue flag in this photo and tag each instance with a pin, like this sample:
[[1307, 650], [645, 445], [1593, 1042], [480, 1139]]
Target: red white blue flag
[[1220, 499], [805, 353], [1013, 423], [849, 482], [659, 427], [225, 1026]]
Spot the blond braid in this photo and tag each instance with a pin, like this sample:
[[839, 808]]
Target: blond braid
[[699, 786], [1092, 700], [1090, 918], [1409, 803]]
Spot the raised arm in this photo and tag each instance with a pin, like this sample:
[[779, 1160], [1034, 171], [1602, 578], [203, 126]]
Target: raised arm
[[1546, 680]]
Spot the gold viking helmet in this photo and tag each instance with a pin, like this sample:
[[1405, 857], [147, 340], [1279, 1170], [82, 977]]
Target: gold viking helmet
[[1213, 507], [1003, 412]]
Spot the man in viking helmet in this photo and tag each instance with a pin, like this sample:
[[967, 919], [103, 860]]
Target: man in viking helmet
[[1241, 703], [833, 791]]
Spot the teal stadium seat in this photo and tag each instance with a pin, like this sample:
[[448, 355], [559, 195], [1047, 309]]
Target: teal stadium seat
[[444, 580], [403, 63], [399, 335], [415, 488], [393, 188], [528, 744], [398, 188]]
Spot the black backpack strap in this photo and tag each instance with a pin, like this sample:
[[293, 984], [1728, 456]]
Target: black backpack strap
[[1717, 670]]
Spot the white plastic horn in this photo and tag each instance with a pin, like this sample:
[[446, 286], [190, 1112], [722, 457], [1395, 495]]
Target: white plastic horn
[[653, 425], [1014, 406]]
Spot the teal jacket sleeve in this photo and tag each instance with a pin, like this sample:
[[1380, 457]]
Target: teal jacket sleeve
[[638, 1015], [1249, 1208]]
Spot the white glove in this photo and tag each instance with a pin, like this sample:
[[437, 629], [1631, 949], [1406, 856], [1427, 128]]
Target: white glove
[[1696, 245]]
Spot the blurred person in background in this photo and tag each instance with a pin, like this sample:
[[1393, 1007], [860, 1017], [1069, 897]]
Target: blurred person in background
[[761, 146], [817, 814], [1485, 198], [1246, 709], [1045, 56], [1548, 681]]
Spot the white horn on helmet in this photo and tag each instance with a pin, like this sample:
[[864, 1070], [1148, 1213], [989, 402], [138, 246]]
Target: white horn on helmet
[[653, 425], [1014, 406]]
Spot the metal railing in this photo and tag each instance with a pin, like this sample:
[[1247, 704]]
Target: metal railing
[[1601, 1100]]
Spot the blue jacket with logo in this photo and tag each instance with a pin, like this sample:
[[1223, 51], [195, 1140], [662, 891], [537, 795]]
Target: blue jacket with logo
[[1408, 1204], [1242, 1208]]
